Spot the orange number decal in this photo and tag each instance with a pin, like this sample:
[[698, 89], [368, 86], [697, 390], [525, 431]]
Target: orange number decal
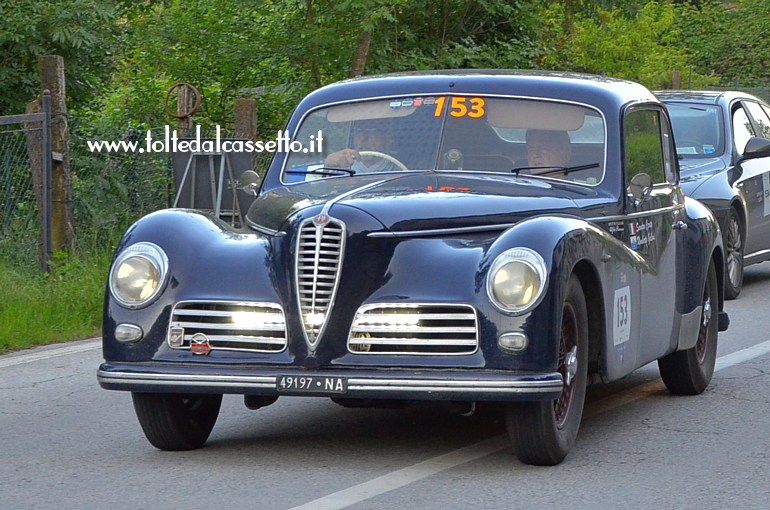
[[439, 106], [477, 108], [458, 107]]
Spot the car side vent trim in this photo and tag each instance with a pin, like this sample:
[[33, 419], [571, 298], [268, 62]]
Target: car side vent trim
[[416, 328], [228, 325]]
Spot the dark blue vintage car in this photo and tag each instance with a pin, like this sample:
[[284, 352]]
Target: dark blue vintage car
[[723, 143], [460, 236]]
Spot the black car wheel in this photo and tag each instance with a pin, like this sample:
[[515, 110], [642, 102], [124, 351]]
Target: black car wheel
[[543, 432], [734, 260], [176, 422], [689, 372]]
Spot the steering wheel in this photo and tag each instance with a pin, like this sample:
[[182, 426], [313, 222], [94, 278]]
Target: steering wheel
[[382, 155]]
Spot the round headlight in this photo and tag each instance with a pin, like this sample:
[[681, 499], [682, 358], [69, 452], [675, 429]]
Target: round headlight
[[138, 274], [516, 280]]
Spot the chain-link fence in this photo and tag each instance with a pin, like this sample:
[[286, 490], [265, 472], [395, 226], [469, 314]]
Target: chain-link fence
[[19, 210]]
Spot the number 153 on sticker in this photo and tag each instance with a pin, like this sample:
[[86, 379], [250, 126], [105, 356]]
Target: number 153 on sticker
[[461, 106]]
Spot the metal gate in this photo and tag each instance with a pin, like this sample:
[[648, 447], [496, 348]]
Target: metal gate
[[25, 187]]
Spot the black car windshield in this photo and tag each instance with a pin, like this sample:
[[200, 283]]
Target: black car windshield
[[451, 133], [698, 130]]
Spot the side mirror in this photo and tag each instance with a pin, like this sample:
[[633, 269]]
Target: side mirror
[[640, 187], [756, 147], [250, 182]]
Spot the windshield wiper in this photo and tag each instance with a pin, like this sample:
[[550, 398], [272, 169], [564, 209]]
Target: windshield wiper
[[323, 170], [553, 169]]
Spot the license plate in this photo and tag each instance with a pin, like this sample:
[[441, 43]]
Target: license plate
[[311, 384]]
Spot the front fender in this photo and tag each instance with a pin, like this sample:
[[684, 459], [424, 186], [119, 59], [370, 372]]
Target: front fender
[[207, 260], [568, 245], [700, 243]]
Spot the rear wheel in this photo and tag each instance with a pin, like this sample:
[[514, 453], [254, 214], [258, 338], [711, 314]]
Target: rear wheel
[[176, 422], [689, 372], [734, 252], [543, 432]]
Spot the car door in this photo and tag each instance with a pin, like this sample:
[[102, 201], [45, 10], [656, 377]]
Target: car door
[[755, 177], [654, 216]]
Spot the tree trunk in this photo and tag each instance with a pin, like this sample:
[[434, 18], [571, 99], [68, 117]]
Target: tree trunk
[[362, 53]]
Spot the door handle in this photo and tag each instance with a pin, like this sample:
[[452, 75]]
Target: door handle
[[679, 225]]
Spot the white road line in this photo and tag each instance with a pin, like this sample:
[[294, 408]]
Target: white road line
[[734, 358], [402, 477], [49, 352], [411, 474]]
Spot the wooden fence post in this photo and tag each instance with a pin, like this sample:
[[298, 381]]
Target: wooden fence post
[[52, 78], [246, 118]]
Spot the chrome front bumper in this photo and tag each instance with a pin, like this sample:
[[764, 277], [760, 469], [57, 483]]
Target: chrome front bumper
[[361, 383]]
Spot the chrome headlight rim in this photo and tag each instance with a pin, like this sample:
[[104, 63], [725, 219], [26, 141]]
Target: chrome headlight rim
[[149, 252], [528, 257]]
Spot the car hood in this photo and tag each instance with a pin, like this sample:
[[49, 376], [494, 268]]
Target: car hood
[[421, 201], [694, 172]]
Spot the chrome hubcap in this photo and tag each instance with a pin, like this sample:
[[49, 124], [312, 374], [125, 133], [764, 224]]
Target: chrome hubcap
[[706, 312], [571, 363]]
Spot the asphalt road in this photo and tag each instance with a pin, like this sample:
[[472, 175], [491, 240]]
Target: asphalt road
[[67, 444]]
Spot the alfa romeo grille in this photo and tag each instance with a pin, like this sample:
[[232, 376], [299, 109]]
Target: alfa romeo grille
[[414, 329], [319, 260], [234, 326]]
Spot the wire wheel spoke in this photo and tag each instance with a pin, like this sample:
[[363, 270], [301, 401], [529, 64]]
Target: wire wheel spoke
[[567, 349]]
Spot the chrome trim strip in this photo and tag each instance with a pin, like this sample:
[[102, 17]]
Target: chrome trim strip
[[640, 214], [443, 231], [241, 340], [263, 230], [328, 205]]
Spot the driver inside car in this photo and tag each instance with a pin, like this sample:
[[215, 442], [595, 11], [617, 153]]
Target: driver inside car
[[548, 152], [367, 137]]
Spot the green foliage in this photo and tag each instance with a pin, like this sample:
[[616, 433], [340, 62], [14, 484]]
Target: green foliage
[[729, 42], [278, 50], [78, 30], [44, 308], [644, 47]]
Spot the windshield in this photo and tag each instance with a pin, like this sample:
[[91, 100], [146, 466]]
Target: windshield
[[697, 130], [452, 133]]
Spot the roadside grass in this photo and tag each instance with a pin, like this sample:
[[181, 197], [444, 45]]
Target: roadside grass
[[37, 309]]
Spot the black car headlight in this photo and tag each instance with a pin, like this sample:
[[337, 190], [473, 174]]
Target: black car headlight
[[516, 280], [138, 274]]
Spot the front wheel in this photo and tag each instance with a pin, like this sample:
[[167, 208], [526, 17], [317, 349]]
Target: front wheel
[[176, 422], [543, 432], [689, 372]]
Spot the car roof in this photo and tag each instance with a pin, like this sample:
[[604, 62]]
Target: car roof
[[703, 96], [591, 89]]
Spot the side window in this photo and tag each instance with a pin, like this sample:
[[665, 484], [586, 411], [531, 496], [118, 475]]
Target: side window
[[742, 129], [760, 117], [643, 139]]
